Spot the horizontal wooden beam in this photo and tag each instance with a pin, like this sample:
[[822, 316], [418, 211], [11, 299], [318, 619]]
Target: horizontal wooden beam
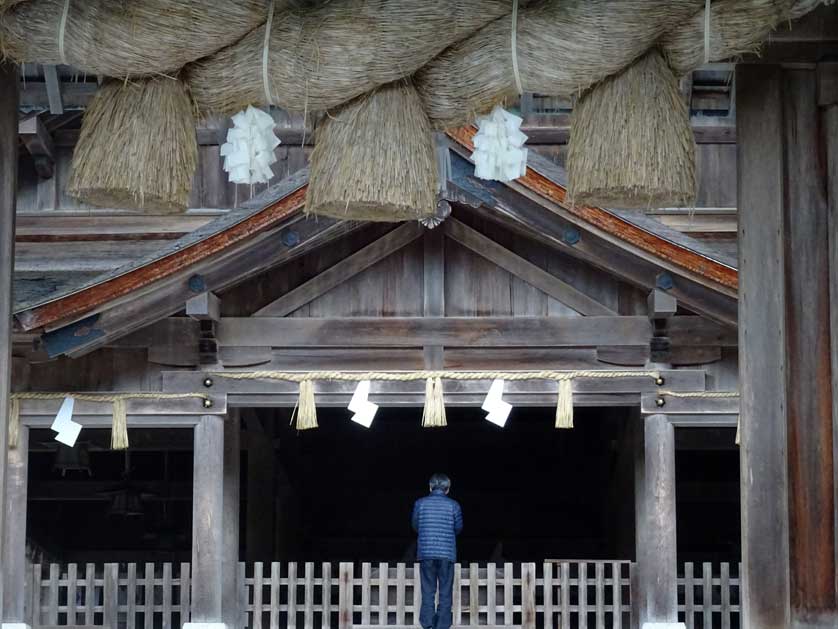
[[465, 332], [673, 405]]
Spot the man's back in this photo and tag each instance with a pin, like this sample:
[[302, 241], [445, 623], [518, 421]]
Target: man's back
[[438, 520]]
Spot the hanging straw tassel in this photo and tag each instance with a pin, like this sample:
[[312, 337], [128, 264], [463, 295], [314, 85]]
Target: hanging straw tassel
[[119, 428], [738, 441], [306, 411], [434, 414], [564, 406], [14, 422]]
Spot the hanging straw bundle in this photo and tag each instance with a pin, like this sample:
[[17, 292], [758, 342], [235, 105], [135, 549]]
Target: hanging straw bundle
[[631, 143], [137, 147], [126, 37], [325, 56], [564, 47], [374, 159]]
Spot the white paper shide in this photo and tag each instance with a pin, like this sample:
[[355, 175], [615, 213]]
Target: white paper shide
[[499, 153], [249, 151]]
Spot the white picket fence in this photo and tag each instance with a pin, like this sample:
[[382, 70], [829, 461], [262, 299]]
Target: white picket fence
[[550, 595]]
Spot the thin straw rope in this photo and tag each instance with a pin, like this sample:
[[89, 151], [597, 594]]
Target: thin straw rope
[[707, 32], [408, 376], [105, 397], [61, 28], [265, 50], [518, 85], [700, 394]]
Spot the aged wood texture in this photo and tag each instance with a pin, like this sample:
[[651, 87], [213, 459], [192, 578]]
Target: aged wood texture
[[831, 129], [8, 186], [230, 611], [612, 224], [208, 520], [14, 540], [811, 488], [464, 331], [433, 289], [762, 346]]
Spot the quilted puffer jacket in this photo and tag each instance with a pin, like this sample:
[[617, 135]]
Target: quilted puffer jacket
[[438, 520]]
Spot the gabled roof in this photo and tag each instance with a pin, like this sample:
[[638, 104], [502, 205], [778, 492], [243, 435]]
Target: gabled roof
[[244, 242]]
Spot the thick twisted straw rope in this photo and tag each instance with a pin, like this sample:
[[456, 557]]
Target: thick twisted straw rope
[[410, 376]]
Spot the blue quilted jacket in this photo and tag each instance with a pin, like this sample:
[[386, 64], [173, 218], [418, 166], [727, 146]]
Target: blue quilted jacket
[[438, 520]]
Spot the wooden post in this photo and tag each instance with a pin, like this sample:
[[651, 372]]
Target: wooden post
[[8, 190], [14, 540], [638, 595], [232, 483], [762, 348], [656, 537], [434, 289], [809, 395], [207, 520]]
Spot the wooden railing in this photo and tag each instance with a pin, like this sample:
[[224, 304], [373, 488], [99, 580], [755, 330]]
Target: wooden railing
[[552, 595]]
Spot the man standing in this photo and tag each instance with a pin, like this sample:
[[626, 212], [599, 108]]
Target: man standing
[[437, 519]]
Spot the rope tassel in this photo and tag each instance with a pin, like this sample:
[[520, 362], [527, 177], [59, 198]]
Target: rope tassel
[[14, 422], [738, 440], [434, 413], [306, 411], [564, 405], [119, 428]]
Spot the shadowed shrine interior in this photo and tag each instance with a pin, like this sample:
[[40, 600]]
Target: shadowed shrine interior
[[345, 493]]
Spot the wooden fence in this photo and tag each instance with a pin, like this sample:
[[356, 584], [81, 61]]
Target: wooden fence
[[552, 595]]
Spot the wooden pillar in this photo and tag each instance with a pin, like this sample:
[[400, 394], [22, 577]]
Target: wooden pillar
[[809, 395], [762, 348], [656, 533], [232, 482], [638, 596], [14, 535], [434, 289], [8, 191], [208, 520]]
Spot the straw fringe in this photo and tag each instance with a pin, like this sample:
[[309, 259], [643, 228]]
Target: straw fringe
[[631, 143], [137, 147], [14, 423], [374, 159], [119, 428], [564, 405], [306, 411], [434, 414]]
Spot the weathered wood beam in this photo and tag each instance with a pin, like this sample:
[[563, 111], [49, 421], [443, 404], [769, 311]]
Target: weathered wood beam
[[464, 332], [762, 356], [204, 307], [8, 190], [14, 540], [208, 521], [809, 395], [674, 406], [554, 131], [38, 142], [433, 285], [53, 85], [231, 612], [656, 536], [524, 269], [342, 271]]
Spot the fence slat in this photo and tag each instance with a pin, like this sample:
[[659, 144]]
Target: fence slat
[[345, 597], [258, 583], [186, 592], [292, 594], [565, 595], [366, 593], [599, 571], [617, 595], [725, 583], [37, 580], [707, 594], [72, 582], [89, 592], [275, 586], [507, 594], [491, 594], [473, 595], [417, 594], [52, 598], [689, 595], [308, 618], [548, 595], [110, 596], [327, 596], [400, 595], [383, 592], [131, 597], [148, 606], [457, 603], [167, 595], [583, 595], [528, 596]]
